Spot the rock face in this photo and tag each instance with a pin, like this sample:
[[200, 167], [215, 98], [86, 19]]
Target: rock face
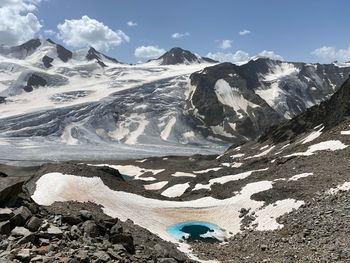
[[93, 54], [329, 113], [180, 56], [240, 102]]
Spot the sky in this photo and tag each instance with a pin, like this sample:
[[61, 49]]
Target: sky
[[227, 30]]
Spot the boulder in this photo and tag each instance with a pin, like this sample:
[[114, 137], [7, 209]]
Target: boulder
[[54, 231], [71, 219], [5, 214], [91, 229], [34, 223], [21, 215], [10, 187], [20, 231], [125, 239], [5, 228], [85, 214]]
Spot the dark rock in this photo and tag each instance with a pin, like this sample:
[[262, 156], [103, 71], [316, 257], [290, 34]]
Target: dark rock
[[10, 187], [5, 228], [1, 173], [180, 56], [5, 214], [21, 215], [166, 260], [91, 229], [47, 61], [125, 239], [24, 255], [85, 215], [34, 81], [34, 223], [71, 219]]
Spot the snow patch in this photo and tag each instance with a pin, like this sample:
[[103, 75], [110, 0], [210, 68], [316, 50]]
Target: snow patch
[[331, 145]]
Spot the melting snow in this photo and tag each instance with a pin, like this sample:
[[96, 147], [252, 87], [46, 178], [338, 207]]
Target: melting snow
[[152, 214], [232, 97], [312, 136], [331, 145], [298, 176], [156, 186], [176, 190], [226, 179], [208, 170], [183, 174], [261, 154], [343, 187]]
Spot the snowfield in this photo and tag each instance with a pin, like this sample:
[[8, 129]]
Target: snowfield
[[156, 215]]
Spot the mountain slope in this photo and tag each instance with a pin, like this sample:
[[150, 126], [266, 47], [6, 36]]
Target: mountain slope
[[178, 55], [243, 101]]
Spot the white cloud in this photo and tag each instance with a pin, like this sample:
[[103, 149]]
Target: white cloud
[[270, 54], [225, 44], [149, 52], [131, 23], [244, 32], [331, 53], [236, 57], [180, 35], [18, 24], [90, 32], [49, 32]]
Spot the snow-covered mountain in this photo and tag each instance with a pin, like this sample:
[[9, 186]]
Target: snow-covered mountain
[[178, 55], [85, 105], [240, 102]]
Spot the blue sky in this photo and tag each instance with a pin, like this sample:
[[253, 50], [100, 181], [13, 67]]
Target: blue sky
[[297, 30]]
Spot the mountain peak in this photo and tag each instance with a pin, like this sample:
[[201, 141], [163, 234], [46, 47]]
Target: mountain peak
[[93, 54], [178, 55]]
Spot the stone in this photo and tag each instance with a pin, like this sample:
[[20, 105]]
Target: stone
[[91, 229], [54, 231], [102, 256], [5, 214], [34, 223], [24, 255], [5, 228], [21, 215], [75, 232], [166, 260], [20, 231], [85, 214], [125, 239], [71, 219]]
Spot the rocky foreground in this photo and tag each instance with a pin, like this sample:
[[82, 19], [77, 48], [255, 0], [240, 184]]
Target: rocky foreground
[[76, 232]]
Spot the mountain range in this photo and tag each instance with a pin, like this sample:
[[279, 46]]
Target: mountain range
[[181, 103]]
